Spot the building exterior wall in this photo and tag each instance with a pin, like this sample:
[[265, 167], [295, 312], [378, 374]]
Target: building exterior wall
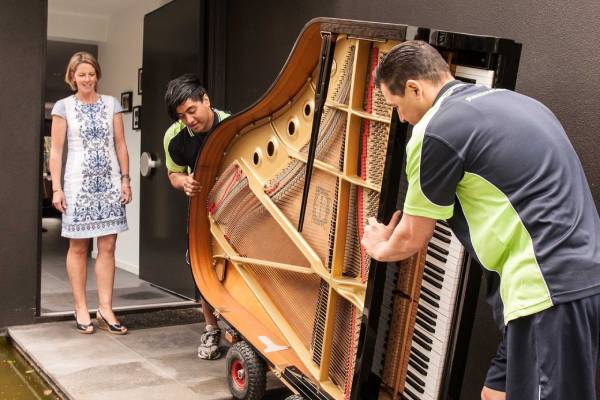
[[22, 68]]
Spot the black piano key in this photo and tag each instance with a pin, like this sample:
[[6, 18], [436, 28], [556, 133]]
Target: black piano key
[[436, 256], [422, 343], [423, 336], [417, 364], [443, 231], [441, 237], [415, 385], [430, 293], [420, 354], [417, 360], [433, 275], [435, 267], [425, 318], [430, 313], [424, 325], [415, 378], [410, 395], [439, 249], [432, 281], [429, 300], [444, 223]]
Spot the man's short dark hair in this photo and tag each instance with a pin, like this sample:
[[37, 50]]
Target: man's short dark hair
[[413, 59], [187, 86]]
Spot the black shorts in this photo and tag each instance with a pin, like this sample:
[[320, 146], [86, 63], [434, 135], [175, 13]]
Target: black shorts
[[550, 355]]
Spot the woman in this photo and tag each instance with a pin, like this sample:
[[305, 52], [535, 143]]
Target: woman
[[96, 185]]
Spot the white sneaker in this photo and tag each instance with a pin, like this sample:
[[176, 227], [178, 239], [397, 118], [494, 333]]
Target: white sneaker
[[209, 345]]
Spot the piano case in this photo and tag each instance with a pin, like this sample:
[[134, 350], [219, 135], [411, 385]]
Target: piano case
[[274, 236]]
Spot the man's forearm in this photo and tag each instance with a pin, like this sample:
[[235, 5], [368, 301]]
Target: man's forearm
[[408, 237], [396, 250], [177, 179]]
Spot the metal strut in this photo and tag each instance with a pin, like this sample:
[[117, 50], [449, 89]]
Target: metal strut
[[326, 59]]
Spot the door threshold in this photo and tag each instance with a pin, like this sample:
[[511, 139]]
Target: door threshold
[[63, 315]]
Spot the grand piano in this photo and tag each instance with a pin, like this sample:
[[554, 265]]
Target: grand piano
[[288, 185]]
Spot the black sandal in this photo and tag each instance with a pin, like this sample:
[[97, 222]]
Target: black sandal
[[115, 329], [86, 329]]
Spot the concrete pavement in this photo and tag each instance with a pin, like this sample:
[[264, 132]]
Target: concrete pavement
[[149, 363]]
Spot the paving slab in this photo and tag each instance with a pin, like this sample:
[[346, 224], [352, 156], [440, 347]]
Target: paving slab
[[151, 363]]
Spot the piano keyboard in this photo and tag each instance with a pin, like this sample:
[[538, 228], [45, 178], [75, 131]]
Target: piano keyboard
[[443, 266], [475, 75]]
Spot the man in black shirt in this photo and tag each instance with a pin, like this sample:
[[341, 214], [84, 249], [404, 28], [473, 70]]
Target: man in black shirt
[[190, 108]]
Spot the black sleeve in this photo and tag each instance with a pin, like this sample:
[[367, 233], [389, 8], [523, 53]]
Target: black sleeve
[[441, 170]]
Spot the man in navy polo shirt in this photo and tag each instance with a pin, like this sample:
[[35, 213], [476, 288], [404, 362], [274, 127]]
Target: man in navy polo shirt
[[498, 166]]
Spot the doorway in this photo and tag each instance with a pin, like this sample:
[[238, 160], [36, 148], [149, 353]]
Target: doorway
[[104, 35]]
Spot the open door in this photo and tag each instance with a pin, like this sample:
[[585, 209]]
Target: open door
[[174, 44]]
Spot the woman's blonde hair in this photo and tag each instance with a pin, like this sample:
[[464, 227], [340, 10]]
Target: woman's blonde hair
[[78, 58]]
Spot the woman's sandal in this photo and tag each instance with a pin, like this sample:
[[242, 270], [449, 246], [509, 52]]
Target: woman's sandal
[[115, 329], [86, 329]]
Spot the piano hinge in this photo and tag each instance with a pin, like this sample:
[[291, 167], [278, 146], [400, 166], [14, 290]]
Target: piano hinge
[[369, 39]]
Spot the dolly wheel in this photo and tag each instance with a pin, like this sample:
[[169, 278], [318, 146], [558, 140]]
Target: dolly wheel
[[246, 372], [294, 397]]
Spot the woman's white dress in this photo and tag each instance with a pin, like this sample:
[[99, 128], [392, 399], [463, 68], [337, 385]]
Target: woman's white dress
[[92, 180]]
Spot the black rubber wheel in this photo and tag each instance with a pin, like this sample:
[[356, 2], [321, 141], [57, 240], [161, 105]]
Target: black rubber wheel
[[294, 397], [246, 372]]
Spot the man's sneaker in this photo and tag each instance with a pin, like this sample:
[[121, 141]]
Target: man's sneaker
[[209, 345]]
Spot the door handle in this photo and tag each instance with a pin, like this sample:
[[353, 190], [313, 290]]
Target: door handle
[[147, 164]]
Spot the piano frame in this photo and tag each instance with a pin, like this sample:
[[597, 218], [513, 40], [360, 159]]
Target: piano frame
[[498, 54]]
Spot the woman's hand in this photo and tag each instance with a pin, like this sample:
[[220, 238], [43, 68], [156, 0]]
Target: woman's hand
[[126, 195], [58, 201]]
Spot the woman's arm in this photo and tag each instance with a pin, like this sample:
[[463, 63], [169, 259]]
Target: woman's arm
[[122, 157], [57, 142]]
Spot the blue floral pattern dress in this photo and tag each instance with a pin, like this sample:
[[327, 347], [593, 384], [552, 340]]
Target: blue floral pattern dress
[[92, 180]]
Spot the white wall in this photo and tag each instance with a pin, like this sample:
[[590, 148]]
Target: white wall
[[120, 57], [68, 26]]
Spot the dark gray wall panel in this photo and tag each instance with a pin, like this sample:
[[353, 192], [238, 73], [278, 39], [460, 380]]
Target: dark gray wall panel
[[23, 49], [558, 62], [260, 37]]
